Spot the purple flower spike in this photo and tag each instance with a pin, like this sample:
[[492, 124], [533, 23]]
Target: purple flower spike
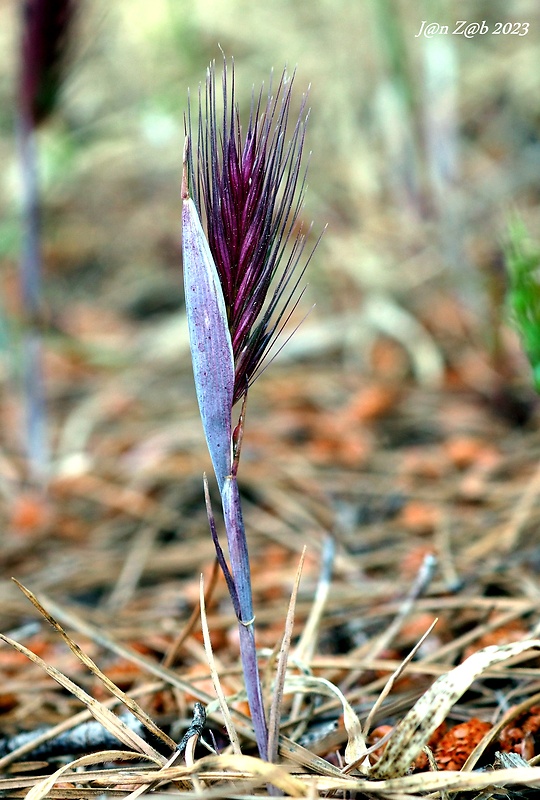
[[249, 190]]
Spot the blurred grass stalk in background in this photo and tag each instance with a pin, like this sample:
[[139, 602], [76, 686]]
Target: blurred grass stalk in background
[[44, 36], [396, 107], [35, 433], [419, 121], [441, 142]]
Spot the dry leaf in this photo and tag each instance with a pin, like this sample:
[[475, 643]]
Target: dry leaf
[[416, 728]]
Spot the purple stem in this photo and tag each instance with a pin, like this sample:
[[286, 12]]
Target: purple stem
[[222, 561], [240, 567]]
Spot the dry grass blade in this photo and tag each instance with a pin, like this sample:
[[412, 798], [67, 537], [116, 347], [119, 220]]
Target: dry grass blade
[[509, 538], [238, 775], [242, 767], [152, 784], [43, 789], [356, 746], [110, 721], [133, 567], [308, 760], [416, 728], [306, 645], [231, 730], [393, 678], [105, 640], [288, 748], [281, 670], [66, 725], [131, 704], [410, 787], [150, 781]]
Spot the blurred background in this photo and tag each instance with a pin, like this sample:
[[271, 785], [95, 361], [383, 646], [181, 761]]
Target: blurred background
[[400, 417], [422, 149]]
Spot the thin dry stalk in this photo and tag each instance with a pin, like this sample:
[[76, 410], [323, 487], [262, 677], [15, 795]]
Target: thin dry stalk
[[176, 646], [281, 670], [305, 649], [131, 572], [393, 678], [419, 587], [509, 538]]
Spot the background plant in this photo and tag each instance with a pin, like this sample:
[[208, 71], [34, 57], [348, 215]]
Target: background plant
[[523, 297], [45, 28]]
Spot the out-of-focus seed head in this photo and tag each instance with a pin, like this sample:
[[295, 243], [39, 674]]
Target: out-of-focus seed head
[[46, 27]]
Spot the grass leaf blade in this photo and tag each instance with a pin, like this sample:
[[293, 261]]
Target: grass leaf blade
[[210, 340]]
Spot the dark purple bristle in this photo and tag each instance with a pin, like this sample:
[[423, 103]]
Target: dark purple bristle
[[248, 189]]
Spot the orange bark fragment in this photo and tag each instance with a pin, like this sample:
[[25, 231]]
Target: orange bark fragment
[[464, 450], [372, 402], [376, 734], [519, 735], [30, 514], [455, 746], [419, 517]]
